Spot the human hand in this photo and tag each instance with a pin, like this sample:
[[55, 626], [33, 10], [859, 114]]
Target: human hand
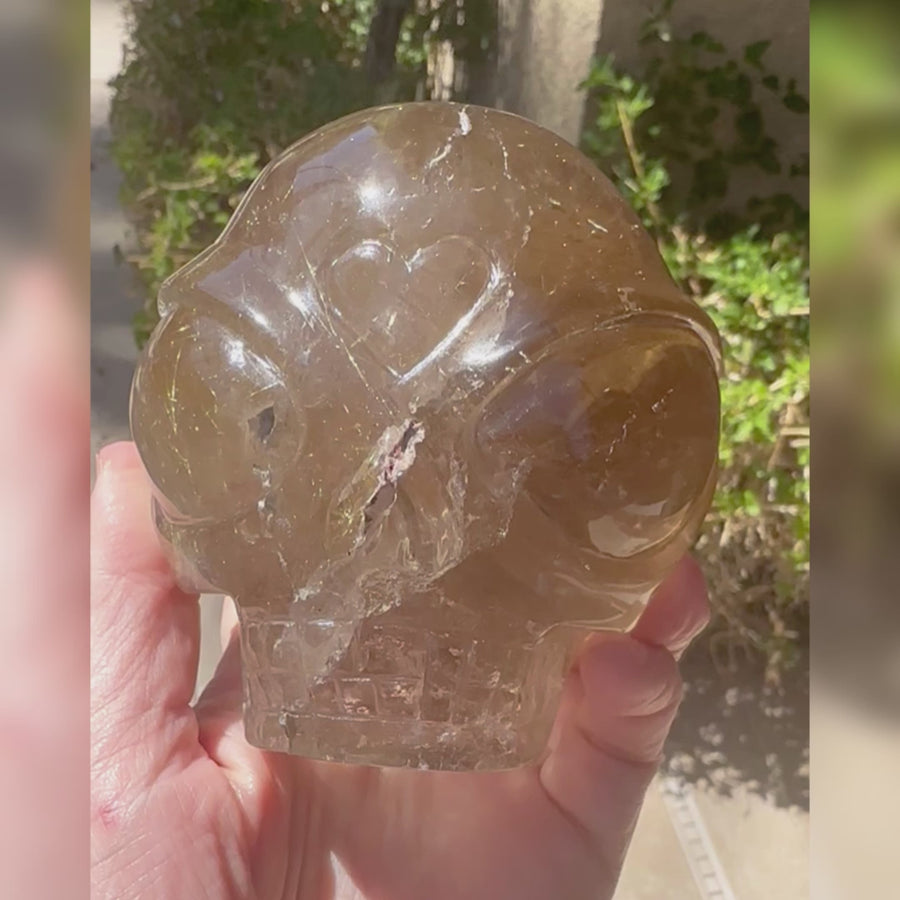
[[184, 807]]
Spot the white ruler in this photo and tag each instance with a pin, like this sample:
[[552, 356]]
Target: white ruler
[[695, 840]]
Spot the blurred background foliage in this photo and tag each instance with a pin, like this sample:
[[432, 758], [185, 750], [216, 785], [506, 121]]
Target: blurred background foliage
[[855, 71], [211, 90], [855, 74]]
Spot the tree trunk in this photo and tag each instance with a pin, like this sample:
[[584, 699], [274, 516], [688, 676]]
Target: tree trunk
[[384, 32]]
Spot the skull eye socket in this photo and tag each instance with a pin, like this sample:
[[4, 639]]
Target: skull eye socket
[[212, 418], [619, 437]]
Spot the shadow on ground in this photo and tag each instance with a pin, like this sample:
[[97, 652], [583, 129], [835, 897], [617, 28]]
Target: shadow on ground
[[733, 731]]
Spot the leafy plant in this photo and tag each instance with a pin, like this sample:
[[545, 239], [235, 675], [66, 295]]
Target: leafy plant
[[674, 141], [212, 90]]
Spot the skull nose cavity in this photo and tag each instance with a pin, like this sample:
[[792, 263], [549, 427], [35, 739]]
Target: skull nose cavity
[[362, 506], [398, 454], [261, 425]]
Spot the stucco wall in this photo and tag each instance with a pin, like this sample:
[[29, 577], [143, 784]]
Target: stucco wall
[[544, 52], [736, 23], [545, 48]]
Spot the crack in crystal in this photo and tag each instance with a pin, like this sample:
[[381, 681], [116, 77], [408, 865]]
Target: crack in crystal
[[393, 465]]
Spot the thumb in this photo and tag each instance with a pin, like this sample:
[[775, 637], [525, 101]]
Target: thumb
[[617, 708], [145, 632]]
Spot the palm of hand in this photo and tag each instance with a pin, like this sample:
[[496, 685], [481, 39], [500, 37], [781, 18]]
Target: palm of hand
[[184, 807]]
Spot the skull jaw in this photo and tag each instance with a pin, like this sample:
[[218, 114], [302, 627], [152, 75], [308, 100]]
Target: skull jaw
[[465, 674], [474, 745], [431, 684]]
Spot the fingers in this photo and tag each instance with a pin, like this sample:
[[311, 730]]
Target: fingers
[[678, 610], [219, 707], [221, 734], [617, 708], [627, 695], [145, 631]]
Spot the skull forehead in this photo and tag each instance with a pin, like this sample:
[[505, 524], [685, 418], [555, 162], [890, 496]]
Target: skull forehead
[[413, 174], [391, 228], [394, 225]]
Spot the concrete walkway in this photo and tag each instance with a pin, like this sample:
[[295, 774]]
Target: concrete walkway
[[733, 822]]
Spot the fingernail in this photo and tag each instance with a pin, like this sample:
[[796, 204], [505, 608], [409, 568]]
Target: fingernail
[[118, 456]]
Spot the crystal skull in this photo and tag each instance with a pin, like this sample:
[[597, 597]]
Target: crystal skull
[[431, 409]]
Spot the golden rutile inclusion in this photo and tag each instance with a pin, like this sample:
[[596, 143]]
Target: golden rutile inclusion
[[429, 410]]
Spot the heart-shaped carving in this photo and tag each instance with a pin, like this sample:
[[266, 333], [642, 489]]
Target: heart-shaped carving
[[409, 311]]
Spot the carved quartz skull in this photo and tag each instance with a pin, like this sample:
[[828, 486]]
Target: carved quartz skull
[[430, 409]]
